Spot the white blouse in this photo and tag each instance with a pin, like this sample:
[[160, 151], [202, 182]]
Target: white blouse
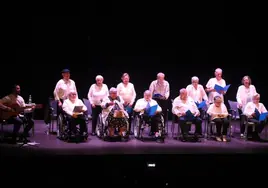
[[127, 92], [211, 84], [96, 94], [197, 94], [245, 95]]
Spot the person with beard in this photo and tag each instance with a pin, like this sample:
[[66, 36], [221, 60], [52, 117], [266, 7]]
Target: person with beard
[[7, 103]]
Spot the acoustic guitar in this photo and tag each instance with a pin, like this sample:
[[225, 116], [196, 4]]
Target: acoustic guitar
[[4, 115]]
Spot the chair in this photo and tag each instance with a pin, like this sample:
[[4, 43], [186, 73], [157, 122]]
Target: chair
[[234, 111], [53, 115], [89, 109]]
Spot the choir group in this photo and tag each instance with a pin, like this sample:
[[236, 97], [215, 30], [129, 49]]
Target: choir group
[[115, 107]]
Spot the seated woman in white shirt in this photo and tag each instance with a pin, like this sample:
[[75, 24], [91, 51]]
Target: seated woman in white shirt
[[219, 114], [244, 95], [141, 107], [180, 107], [113, 111], [250, 112], [97, 92], [75, 118], [127, 91], [197, 92]]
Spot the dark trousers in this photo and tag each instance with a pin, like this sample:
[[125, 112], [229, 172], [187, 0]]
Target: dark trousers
[[155, 122], [259, 125], [59, 108], [80, 120], [17, 122], [164, 105], [242, 121], [197, 121], [95, 115], [221, 123]]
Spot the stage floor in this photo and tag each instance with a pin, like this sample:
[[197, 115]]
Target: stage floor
[[50, 145]]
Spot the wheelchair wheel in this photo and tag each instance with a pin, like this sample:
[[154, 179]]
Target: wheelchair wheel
[[100, 127], [62, 128], [137, 127]]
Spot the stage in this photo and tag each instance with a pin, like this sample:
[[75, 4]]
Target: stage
[[50, 145]]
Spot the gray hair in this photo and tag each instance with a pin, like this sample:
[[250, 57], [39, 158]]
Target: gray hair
[[195, 78], [72, 92], [147, 92], [219, 70], [183, 90], [256, 95], [99, 77], [160, 74], [113, 90]]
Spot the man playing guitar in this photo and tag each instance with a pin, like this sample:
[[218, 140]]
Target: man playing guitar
[[11, 106]]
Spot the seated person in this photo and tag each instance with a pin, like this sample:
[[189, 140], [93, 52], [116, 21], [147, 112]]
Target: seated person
[[181, 105], [219, 114], [113, 112], [142, 105], [75, 118], [250, 112], [15, 100]]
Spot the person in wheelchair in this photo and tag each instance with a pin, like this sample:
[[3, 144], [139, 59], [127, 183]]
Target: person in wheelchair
[[185, 108], [142, 106], [218, 113], [114, 114], [75, 117], [252, 111]]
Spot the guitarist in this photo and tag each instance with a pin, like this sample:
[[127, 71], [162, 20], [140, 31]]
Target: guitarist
[[15, 99]]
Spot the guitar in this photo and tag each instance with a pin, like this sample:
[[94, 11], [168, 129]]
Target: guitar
[[4, 115]]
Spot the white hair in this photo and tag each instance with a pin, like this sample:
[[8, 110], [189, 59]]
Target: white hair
[[113, 90], [218, 70], [72, 91], [183, 90], [99, 77], [147, 92], [160, 74], [195, 78]]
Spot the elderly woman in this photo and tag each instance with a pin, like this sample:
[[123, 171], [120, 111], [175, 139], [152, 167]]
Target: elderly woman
[[75, 117], [127, 91], [219, 114], [253, 110], [97, 92], [160, 92], [113, 112], [244, 95], [181, 105], [211, 84]]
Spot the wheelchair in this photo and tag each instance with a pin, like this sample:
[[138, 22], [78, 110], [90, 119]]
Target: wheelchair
[[63, 131], [102, 128], [140, 124]]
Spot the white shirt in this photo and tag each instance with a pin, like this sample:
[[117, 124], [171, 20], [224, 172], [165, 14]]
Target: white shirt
[[211, 84], [215, 111], [128, 92], [68, 106], [96, 94], [250, 108], [141, 104], [182, 106], [197, 94], [157, 88], [245, 95], [63, 88]]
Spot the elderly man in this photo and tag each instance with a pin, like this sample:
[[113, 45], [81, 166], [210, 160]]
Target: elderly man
[[253, 110], [63, 87], [142, 105], [75, 117], [113, 112], [160, 92], [211, 84], [185, 108]]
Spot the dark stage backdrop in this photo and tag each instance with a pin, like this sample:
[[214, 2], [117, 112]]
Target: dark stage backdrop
[[191, 42]]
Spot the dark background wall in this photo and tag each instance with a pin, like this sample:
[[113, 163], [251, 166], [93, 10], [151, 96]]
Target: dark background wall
[[182, 40]]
